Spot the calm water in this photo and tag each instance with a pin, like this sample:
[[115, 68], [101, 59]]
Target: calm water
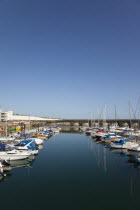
[[73, 172]]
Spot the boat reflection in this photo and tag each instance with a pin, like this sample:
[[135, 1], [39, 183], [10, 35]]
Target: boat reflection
[[40, 146], [70, 129], [3, 178], [21, 163], [119, 151]]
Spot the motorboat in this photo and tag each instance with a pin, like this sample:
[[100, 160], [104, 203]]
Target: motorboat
[[40, 136], [27, 145], [134, 150], [5, 139], [10, 153], [111, 136], [123, 144], [45, 133], [100, 134], [37, 141], [137, 149], [56, 131], [51, 132], [89, 131]]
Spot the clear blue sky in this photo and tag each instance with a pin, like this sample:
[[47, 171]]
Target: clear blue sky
[[67, 58]]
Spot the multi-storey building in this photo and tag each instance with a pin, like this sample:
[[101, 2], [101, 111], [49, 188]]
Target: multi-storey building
[[9, 116], [5, 116]]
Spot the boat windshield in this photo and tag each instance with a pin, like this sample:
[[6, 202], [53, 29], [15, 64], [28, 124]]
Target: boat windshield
[[9, 148]]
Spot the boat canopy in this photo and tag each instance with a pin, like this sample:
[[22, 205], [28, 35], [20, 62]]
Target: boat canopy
[[121, 142], [2, 147], [29, 143], [25, 136]]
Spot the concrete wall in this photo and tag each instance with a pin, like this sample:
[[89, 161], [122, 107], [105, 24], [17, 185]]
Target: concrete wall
[[30, 118]]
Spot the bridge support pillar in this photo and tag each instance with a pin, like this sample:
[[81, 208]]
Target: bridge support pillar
[[75, 124], [86, 124]]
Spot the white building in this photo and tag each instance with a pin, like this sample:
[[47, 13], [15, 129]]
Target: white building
[[9, 116], [5, 116]]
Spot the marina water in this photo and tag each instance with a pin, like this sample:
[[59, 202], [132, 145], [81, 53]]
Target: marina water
[[72, 171]]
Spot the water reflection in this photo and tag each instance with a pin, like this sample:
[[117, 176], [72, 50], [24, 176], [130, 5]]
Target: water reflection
[[21, 163], [3, 178], [79, 171], [116, 162], [70, 129], [103, 152], [119, 151], [40, 147], [7, 171]]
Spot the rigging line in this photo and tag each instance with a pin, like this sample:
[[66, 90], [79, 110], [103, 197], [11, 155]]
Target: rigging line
[[101, 113], [137, 104], [133, 111]]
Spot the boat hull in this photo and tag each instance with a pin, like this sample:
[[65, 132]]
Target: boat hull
[[14, 157]]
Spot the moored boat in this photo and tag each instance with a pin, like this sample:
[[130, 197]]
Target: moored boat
[[123, 144], [5, 139], [27, 145], [10, 153]]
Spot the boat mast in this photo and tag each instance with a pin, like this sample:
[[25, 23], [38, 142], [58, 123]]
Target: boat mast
[[104, 118], [91, 119], [98, 111], [29, 122], [139, 119], [6, 130], [115, 118], [130, 118]]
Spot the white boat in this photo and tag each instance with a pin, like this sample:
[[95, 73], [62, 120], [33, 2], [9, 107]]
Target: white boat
[[5, 139], [56, 131], [31, 152], [14, 155], [101, 134], [134, 150], [122, 144], [37, 141], [27, 145]]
